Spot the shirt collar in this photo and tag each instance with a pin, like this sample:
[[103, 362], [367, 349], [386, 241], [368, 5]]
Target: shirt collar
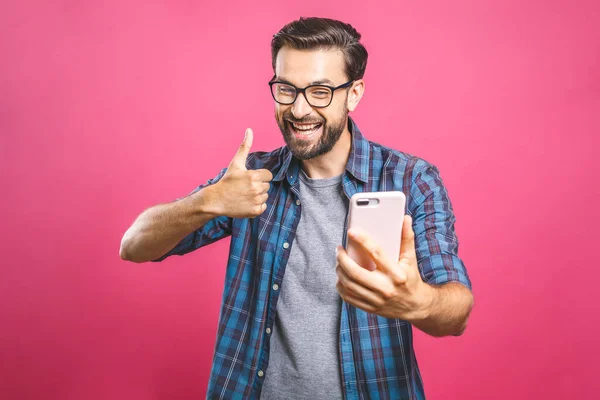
[[357, 165], [359, 159]]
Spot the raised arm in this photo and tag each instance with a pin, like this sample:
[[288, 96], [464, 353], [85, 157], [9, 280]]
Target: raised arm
[[235, 193]]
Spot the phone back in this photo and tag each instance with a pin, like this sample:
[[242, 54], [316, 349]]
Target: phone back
[[380, 216]]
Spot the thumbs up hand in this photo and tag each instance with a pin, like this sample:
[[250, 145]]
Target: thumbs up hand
[[242, 193]]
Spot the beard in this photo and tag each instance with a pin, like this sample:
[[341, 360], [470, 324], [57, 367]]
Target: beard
[[331, 132]]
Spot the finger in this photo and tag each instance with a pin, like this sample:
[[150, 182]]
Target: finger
[[357, 290], [264, 175], [239, 160], [373, 249], [264, 198], [378, 281], [355, 272], [407, 246], [265, 187], [349, 298]]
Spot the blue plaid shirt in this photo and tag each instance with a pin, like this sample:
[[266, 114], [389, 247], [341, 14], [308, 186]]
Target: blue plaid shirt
[[376, 353]]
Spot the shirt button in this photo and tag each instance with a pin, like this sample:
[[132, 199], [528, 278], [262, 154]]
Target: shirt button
[[297, 202], [275, 287], [286, 245], [268, 330], [260, 373]]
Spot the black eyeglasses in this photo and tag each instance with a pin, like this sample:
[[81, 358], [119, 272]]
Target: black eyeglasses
[[318, 96]]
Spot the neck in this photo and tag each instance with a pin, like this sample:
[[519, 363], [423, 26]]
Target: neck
[[332, 163]]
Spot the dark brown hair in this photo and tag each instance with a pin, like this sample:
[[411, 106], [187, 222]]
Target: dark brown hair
[[324, 34]]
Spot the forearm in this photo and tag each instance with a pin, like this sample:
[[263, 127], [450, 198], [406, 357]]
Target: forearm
[[160, 228], [446, 311]]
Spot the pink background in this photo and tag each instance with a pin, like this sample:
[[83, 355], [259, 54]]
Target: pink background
[[109, 107]]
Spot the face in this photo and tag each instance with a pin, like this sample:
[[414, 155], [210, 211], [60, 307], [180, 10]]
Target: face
[[308, 131]]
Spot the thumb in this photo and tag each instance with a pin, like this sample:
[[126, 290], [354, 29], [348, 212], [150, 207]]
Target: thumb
[[407, 246], [239, 160]]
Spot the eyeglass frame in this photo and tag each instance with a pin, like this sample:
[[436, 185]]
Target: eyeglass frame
[[303, 91]]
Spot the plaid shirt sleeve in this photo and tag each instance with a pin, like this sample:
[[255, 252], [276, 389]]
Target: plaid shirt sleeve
[[215, 229], [433, 223]]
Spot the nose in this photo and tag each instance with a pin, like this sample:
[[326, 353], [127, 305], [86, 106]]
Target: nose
[[301, 108]]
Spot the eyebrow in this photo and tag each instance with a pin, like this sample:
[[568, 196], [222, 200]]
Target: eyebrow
[[317, 82]]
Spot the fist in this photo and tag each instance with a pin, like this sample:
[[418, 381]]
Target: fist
[[243, 192]]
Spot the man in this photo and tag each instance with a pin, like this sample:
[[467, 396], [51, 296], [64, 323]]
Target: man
[[300, 319]]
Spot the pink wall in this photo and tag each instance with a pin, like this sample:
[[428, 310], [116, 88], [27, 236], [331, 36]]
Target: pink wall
[[109, 107]]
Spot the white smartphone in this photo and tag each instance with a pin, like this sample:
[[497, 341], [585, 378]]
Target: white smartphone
[[379, 215]]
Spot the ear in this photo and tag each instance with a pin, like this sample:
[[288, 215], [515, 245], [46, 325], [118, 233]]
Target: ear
[[355, 93]]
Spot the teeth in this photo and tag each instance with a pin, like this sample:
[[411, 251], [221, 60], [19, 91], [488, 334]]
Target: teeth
[[305, 127]]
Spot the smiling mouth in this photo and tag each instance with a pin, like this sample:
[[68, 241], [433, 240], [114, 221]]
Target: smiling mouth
[[304, 129]]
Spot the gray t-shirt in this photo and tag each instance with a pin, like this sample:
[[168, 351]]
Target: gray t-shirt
[[304, 356]]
